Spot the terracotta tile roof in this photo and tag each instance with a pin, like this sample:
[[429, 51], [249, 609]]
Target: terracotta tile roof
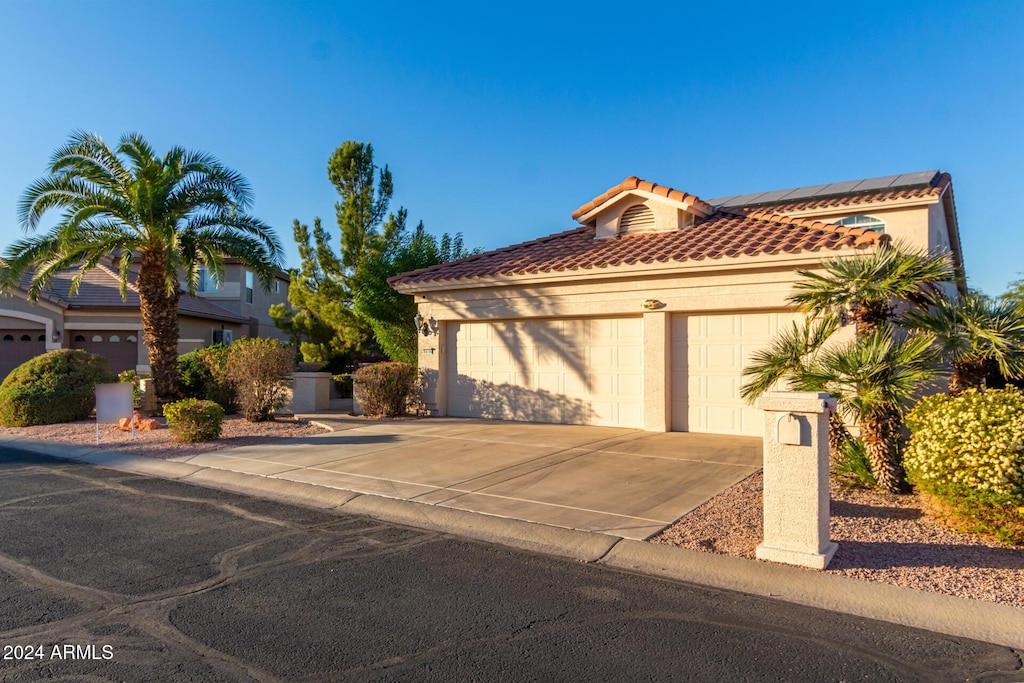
[[934, 188], [634, 183], [100, 288], [727, 233]]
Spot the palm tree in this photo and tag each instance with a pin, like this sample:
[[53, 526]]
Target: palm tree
[[171, 214], [873, 377], [867, 288], [975, 333], [788, 356]]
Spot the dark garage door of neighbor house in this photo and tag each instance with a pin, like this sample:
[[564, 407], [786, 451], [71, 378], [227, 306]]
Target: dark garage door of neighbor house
[[17, 346], [119, 347]]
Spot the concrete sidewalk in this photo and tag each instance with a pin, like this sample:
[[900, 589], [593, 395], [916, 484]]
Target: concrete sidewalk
[[624, 482]]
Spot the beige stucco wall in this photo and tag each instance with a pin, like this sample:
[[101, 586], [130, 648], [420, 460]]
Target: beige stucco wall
[[763, 285]]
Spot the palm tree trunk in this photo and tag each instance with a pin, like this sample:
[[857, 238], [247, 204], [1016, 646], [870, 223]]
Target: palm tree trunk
[[880, 432], [838, 434], [967, 376], [159, 326]]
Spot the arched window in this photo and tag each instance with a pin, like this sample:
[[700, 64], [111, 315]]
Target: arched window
[[115, 338], [79, 338], [26, 337], [131, 338], [42, 337], [97, 337], [863, 222], [9, 337]]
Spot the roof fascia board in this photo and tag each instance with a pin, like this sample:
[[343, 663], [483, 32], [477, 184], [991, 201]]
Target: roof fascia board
[[632, 271], [688, 206]]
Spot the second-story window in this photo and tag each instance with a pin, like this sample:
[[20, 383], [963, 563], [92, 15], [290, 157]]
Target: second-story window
[[248, 286], [206, 283]]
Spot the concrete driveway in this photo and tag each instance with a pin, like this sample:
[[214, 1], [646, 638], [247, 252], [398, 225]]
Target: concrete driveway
[[623, 482]]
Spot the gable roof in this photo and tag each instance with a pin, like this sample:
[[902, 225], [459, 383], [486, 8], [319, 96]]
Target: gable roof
[[101, 288], [726, 233], [634, 184], [848, 193]]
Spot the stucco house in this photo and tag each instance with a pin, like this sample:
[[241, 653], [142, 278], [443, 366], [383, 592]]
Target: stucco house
[[645, 314], [97, 320]]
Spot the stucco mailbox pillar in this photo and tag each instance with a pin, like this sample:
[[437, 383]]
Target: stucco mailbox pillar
[[311, 392], [796, 469]]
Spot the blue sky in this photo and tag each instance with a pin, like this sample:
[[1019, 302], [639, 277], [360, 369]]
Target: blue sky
[[498, 122]]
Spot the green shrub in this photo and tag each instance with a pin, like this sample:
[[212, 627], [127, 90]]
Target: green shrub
[[973, 441], [193, 375], [851, 464], [384, 389], [343, 385], [203, 374], [258, 368], [54, 387], [968, 452], [132, 377], [194, 419]]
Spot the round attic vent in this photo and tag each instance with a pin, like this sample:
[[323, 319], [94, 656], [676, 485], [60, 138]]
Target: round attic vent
[[635, 219]]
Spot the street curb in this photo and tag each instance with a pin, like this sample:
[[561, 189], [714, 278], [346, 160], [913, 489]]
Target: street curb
[[985, 621], [540, 538], [979, 620]]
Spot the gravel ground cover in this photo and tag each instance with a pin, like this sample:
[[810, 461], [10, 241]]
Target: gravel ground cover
[[882, 537], [160, 443]]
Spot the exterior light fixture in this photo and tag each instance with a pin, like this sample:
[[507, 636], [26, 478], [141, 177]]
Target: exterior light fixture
[[426, 326], [55, 335], [653, 304]]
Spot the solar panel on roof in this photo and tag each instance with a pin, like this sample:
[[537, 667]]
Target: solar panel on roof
[[911, 179], [773, 196], [839, 188], [905, 180], [879, 183]]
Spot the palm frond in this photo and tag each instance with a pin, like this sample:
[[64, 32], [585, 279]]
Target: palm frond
[[786, 356]]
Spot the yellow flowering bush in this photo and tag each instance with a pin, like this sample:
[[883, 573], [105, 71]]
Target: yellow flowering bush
[[969, 444]]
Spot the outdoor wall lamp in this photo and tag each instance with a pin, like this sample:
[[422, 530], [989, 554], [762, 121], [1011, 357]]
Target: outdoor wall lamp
[[55, 335], [426, 326], [653, 304]]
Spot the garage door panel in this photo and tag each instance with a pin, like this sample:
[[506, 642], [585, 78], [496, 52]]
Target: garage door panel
[[709, 353], [579, 371]]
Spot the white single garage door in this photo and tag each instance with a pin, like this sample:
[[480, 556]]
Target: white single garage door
[[572, 371], [709, 353]]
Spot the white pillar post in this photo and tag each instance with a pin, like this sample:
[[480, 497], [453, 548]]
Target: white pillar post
[[796, 471]]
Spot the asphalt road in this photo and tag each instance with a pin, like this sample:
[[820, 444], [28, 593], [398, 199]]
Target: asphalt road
[[113, 576]]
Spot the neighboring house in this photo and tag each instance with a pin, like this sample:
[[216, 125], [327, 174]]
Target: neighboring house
[[241, 293], [98, 320], [646, 314]]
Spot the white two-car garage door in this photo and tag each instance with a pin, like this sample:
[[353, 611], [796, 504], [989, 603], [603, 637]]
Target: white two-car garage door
[[574, 371], [709, 353]]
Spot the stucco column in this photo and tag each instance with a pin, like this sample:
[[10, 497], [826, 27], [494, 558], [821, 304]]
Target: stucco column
[[796, 469], [657, 372], [430, 348]]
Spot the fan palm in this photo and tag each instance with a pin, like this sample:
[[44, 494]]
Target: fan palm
[[873, 377], [172, 214], [786, 357], [975, 334], [866, 288]]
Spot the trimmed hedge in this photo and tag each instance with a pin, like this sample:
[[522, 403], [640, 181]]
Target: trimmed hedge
[[55, 387], [384, 389], [194, 419], [967, 452]]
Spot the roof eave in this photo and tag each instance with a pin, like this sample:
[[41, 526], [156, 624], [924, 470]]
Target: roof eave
[[728, 263]]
